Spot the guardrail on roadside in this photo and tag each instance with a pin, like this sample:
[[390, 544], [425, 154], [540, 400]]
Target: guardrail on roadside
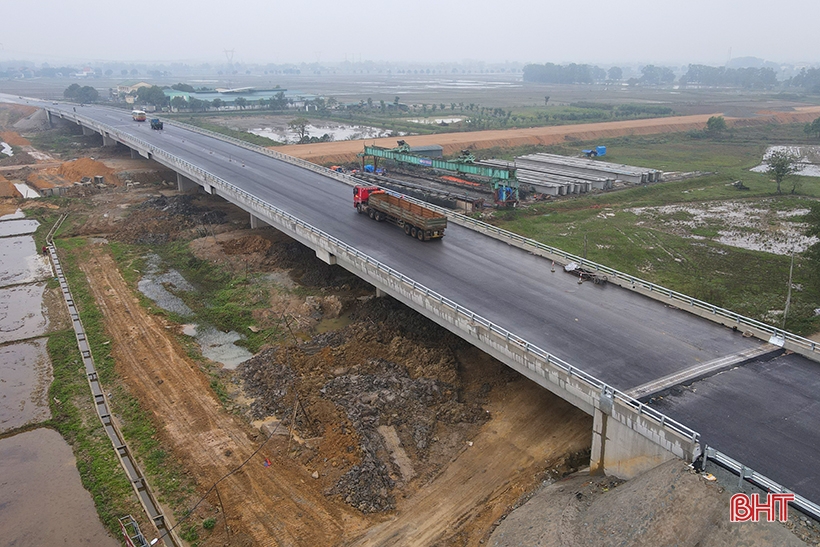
[[780, 337], [337, 245]]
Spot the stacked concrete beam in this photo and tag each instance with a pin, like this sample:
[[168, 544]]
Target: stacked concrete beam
[[596, 168], [553, 182]]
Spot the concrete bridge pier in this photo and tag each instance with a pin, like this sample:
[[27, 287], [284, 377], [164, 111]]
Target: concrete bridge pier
[[618, 449], [48, 118], [184, 184], [87, 131], [109, 141], [134, 154], [257, 222]]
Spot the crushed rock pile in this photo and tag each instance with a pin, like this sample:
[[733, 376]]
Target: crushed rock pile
[[162, 219], [379, 371]]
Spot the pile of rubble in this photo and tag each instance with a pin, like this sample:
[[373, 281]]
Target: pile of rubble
[[374, 377]]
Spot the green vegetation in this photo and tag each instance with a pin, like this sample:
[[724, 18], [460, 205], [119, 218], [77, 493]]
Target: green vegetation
[[216, 128], [75, 417], [84, 94], [603, 225]]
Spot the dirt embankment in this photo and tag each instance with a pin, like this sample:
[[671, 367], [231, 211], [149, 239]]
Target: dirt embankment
[[345, 151], [669, 505]]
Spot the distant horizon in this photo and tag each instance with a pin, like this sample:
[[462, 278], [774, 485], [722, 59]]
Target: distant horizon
[[616, 33]]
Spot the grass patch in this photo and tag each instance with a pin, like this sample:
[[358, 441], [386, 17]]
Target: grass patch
[[166, 476], [221, 129]]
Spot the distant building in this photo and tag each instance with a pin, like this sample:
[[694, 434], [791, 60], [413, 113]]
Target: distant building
[[130, 87]]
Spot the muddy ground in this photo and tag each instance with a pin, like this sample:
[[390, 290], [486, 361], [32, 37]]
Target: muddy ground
[[361, 423]]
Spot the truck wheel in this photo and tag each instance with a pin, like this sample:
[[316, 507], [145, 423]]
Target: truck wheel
[[371, 213], [420, 235], [407, 229], [412, 231], [379, 216], [359, 208]]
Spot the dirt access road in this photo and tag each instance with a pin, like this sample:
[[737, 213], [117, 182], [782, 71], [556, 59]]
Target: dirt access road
[[530, 432], [274, 505], [345, 151]]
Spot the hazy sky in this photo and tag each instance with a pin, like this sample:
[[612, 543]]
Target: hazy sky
[[584, 31]]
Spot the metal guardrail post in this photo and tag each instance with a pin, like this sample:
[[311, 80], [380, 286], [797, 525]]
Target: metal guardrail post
[[663, 421]]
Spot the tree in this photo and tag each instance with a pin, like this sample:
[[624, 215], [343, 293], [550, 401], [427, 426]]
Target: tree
[[179, 103], [615, 73], [781, 165], [715, 125], [152, 95], [71, 91], [183, 87], [299, 126], [241, 102], [217, 103], [85, 94], [813, 127]]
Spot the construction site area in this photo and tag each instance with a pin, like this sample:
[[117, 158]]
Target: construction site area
[[330, 416]]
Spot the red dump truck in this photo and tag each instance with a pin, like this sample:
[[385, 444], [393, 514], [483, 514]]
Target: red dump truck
[[417, 221]]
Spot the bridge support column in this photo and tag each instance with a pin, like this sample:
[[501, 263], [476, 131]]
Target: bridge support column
[[48, 118], [257, 222], [134, 154], [380, 293], [108, 141], [184, 184], [618, 449], [326, 257], [87, 131]]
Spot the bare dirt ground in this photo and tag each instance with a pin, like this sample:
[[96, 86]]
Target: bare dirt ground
[[345, 151], [380, 427], [669, 505]]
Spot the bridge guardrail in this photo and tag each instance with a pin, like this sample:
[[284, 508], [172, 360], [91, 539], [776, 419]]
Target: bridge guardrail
[[642, 409], [803, 345]]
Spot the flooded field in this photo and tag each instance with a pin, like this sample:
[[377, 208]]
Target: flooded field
[[808, 159], [26, 375], [42, 501], [22, 312], [337, 132], [21, 263]]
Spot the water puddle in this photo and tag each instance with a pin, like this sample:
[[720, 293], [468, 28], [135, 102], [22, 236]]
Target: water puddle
[[18, 227], [13, 216], [217, 345], [22, 312], [25, 374], [336, 132], [6, 149], [42, 501], [214, 344], [20, 262], [336, 323]]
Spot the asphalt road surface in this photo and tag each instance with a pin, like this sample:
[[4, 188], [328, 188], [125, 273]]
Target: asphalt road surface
[[620, 337]]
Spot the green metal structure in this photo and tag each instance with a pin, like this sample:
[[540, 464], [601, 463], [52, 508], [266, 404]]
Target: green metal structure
[[503, 181]]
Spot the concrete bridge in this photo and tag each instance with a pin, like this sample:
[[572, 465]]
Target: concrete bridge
[[602, 349]]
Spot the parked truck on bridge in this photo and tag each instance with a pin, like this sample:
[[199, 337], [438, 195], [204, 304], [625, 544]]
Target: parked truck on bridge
[[417, 221]]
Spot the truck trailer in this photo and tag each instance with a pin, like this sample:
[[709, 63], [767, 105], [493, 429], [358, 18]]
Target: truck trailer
[[417, 221]]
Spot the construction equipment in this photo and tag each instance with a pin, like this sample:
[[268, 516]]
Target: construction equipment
[[417, 221], [502, 180], [598, 151], [156, 123]]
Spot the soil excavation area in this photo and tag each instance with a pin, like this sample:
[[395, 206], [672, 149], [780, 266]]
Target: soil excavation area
[[357, 422]]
